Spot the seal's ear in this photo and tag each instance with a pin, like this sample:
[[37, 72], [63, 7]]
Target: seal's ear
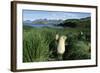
[[57, 36]]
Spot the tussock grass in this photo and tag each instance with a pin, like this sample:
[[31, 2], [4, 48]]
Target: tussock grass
[[37, 41]]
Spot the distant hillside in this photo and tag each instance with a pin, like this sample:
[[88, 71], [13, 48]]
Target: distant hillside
[[83, 22]]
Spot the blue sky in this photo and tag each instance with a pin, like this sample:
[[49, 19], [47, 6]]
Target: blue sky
[[33, 15]]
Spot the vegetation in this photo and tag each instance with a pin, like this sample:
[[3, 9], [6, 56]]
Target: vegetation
[[83, 23], [39, 44]]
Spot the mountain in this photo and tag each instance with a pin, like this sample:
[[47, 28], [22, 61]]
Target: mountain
[[46, 21], [43, 21], [83, 22], [27, 21]]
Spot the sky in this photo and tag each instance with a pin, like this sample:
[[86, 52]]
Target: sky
[[34, 14]]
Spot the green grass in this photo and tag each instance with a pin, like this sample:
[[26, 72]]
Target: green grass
[[37, 41]]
